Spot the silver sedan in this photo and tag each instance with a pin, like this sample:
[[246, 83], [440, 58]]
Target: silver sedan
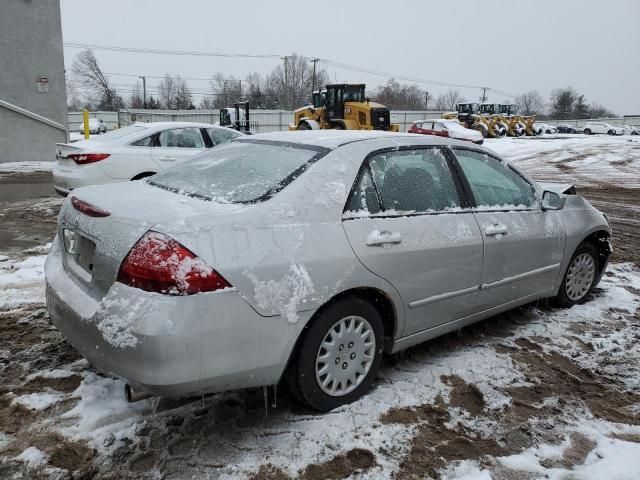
[[302, 257]]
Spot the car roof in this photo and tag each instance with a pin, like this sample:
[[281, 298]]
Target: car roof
[[336, 138], [162, 125]]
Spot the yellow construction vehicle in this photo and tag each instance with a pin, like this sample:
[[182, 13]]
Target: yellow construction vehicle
[[343, 107], [470, 115]]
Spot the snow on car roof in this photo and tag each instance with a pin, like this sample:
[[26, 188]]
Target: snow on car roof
[[335, 138]]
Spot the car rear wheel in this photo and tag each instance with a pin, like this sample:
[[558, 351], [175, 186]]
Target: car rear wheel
[[339, 355], [611, 132], [587, 131], [580, 277]]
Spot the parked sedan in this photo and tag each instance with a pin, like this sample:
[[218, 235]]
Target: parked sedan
[[602, 127], [96, 126], [132, 153], [446, 128], [302, 257]]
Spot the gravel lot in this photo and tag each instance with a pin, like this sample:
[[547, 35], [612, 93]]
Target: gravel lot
[[535, 393]]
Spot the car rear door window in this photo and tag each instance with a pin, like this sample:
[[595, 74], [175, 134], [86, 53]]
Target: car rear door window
[[405, 181], [189, 137], [493, 183]]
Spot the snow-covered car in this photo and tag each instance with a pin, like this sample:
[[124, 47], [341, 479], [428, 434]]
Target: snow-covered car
[[302, 257], [543, 128], [630, 130], [602, 127], [131, 153], [96, 125], [564, 128], [446, 128]]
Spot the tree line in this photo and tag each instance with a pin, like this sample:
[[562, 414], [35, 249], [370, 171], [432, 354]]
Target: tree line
[[288, 86]]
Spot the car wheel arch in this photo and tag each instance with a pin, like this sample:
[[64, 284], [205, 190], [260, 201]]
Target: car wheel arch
[[599, 240], [374, 296]]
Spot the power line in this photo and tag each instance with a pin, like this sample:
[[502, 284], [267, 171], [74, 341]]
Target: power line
[[335, 64], [112, 48]]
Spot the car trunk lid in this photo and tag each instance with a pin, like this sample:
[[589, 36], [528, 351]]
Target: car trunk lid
[[99, 225]]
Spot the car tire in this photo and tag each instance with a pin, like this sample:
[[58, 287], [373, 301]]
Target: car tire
[[611, 132], [587, 131], [580, 278], [336, 363]]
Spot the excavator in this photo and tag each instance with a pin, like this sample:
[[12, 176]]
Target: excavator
[[343, 107]]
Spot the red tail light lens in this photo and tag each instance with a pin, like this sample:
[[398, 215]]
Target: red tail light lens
[[160, 264], [84, 158], [88, 209]]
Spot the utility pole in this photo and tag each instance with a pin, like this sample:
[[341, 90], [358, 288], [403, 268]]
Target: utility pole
[[484, 95], [144, 91], [314, 61], [286, 78], [426, 100]]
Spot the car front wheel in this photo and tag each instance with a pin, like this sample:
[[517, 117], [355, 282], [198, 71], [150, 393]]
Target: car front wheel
[[587, 131], [611, 132], [580, 277], [339, 355]]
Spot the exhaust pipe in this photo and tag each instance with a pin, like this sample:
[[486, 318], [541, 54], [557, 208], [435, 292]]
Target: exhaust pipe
[[133, 395]]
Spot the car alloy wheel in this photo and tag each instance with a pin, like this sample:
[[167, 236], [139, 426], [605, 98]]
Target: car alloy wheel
[[345, 356], [580, 276]]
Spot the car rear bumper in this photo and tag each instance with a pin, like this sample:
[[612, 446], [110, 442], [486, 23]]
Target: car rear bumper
[[67, 179], [169, 345]]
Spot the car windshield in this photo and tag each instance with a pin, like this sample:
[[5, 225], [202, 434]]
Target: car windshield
[[244, 171]]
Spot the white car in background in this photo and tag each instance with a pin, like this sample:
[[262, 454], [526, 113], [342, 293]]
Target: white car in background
[[543, 128], [630, 130], [134, 152], [96, 126], [602, 127]]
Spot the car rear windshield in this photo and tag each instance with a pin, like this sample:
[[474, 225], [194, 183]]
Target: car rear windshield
[[244, 171], [120, 132]]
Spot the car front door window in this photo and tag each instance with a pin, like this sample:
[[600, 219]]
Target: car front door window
[[493, 183]]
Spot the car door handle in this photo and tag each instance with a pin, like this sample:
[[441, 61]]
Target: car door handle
[[376, 238], [495, 229], [167, 159]]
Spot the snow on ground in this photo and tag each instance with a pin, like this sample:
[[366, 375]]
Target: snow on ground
[[26, 167], [535, 393], [590, 160]]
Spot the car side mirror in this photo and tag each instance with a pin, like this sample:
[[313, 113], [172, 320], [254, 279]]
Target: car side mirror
[[552, 200]]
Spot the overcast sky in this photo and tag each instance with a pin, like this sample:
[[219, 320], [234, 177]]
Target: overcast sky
[[511, 46]]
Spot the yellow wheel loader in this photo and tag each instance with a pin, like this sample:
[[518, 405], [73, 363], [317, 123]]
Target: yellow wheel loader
[[469, 115], [343, 107]]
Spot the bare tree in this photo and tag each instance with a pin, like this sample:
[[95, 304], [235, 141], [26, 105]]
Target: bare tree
[[400, 97], [530, 103], [168, 89], [136, 100], [87, 72], [599, 111], [449, 101], [225, 90], [291, 88], [183, 99]]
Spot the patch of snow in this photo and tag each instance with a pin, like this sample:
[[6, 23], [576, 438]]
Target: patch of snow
[[21, 281], [286, 294], [33, 457], [38, 400], [10, 167]]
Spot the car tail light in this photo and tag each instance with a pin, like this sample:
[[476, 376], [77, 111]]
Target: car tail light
[[84, 158], [88, 209], [158, 263]]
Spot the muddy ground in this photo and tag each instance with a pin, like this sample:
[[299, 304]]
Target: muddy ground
[[556, 371]]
